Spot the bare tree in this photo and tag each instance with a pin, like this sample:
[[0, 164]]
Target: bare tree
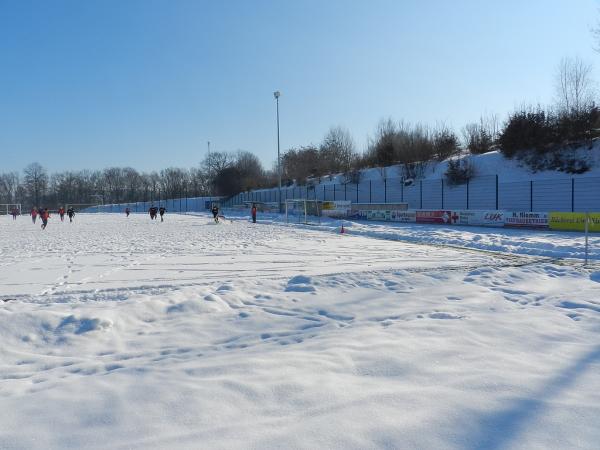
[[35, 182], [337, 150], [300, 163], [133, 182], [574, 85], [9, 188], [198, 182], [115, 183], [481, 137], [217, 161], [445, 142], [251, 170]]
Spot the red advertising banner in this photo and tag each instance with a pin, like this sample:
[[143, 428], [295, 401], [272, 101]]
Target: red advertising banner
[[440, 216]]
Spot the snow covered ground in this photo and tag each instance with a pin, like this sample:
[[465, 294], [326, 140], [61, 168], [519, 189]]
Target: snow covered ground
[[126, 333]]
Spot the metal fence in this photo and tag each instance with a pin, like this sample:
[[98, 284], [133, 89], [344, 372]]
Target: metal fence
[[480, 193], [193, 204]]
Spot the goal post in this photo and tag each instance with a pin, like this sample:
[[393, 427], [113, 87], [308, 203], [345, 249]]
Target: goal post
[[7, 208], [302, 211]]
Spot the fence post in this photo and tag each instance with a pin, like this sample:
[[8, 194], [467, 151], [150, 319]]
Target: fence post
[[385, 190], [345, 189], [572, 194], [334, 192], [467, 194], [324, 193], [421, 193], [442, 180], [496, 192], [531, 196], [357, 191], [587, 224], [402, 191], [370, 193]]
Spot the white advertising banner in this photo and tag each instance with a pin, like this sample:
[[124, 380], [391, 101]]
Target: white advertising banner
[[519, 219], [480, 218]]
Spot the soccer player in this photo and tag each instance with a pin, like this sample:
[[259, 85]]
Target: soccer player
[[15, 213], [61, 213], [253, 212], [127, 211], [34, 214], [71, 214], [215, 213], [162, 211], [45, 215]]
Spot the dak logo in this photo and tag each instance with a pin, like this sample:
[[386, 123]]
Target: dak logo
[[493, 217]]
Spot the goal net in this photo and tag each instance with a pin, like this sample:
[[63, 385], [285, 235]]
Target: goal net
[[7, 208], [302, 211]]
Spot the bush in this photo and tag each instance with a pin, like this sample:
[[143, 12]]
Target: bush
[[577, 125], [526, 130], [445, 144], [459, 172], [536, 129], [478, 139]]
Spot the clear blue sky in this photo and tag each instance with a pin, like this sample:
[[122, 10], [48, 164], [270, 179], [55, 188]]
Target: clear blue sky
[[146, 83]]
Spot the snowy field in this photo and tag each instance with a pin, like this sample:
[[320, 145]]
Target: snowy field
[[125, 333]]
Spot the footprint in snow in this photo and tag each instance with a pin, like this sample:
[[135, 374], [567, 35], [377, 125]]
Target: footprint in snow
[[300, 283], [443, 315]]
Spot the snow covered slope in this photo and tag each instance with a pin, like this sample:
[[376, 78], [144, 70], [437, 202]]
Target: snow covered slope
[[126, 333], [491, 164]]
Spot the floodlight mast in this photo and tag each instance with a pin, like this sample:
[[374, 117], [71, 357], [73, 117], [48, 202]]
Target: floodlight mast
[[277, 94]]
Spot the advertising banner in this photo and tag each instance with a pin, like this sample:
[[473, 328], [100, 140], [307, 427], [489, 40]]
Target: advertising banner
[[379, 215], [338, 208], [436, 217], [404, 216], [573, 221], [515, 219], [481, 218]]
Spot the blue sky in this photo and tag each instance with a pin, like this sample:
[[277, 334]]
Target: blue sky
[[146, 83]]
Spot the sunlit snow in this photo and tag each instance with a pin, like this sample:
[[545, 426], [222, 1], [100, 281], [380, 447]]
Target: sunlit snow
[[129, 333]]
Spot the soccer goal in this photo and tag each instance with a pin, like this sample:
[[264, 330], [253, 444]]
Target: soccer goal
[[7, 208], [302, 211]]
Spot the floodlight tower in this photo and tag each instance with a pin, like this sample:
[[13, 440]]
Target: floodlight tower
[[277, 94]]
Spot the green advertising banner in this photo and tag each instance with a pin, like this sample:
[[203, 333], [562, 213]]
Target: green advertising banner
[[573, 221]]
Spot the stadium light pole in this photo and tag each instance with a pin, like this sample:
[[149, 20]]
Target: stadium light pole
[[276, 94], [208, 162]]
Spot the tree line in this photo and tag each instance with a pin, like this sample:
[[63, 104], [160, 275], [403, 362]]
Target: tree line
[[530, 132], [35, 186]]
